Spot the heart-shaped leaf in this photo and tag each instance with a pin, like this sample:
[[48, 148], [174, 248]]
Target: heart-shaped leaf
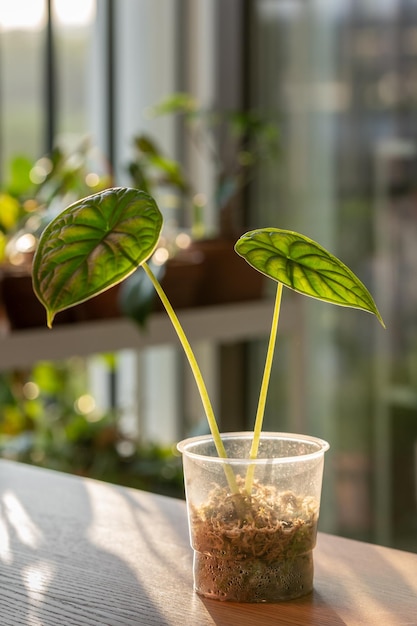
[[304, 266], [92, 245]]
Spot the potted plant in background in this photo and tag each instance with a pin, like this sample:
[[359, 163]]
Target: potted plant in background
[[179, 267], [233, 143], [33, 194], [253, 498]]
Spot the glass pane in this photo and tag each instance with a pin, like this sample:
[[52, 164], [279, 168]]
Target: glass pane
[[21, 79], [73, 23], [339, 77]]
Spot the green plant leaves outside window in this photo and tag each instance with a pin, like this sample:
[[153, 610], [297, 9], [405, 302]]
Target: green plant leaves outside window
[[94, 244], [304, 266]]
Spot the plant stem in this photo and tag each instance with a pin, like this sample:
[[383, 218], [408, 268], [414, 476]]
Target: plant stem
[[197, 376], [264, 389]]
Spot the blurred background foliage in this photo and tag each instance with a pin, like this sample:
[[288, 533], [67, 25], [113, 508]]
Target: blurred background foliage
[[49, 419]]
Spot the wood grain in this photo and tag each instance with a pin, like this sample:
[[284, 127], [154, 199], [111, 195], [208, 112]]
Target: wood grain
[[77, 552]]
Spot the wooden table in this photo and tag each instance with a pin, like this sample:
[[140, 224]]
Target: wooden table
[[80, 552]]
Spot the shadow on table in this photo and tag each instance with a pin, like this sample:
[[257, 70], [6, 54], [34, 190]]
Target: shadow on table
[[311, 610], [50, 565]]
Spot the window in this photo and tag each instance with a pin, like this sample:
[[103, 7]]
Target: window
[[339, 78], [44, 75]]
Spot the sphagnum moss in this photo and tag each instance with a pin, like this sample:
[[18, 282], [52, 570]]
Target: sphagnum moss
[[255, 546]]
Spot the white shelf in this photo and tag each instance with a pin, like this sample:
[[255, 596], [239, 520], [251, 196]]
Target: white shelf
[[223, 324]]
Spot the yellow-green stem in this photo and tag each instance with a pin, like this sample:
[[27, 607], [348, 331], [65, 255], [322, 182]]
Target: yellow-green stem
[[205, 399], [264, 389]]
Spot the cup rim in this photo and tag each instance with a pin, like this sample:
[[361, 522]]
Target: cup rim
[[185, 447]]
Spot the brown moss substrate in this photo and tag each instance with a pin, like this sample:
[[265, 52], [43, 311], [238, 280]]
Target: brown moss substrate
[[255, 548]]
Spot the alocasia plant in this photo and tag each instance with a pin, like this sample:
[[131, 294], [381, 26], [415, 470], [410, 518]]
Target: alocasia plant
[[100, 240]]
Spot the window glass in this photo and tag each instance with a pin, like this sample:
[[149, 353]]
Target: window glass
[[21, 78], [341, 84], [74, 22], [24, 107]]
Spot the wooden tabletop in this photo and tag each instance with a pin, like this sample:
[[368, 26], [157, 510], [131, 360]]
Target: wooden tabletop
[[80, 552]]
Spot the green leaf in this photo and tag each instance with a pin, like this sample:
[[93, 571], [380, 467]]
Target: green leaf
[[146, 145], [20, 182], [304, 266], [175, 103], [9, 212], [92, 245]]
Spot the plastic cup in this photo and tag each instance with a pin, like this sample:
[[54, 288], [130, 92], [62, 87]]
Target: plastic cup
[[253, 523]]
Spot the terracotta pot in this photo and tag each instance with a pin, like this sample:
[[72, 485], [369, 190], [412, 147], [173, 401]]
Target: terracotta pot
[[182, 280], [22, 307], [227, 277]]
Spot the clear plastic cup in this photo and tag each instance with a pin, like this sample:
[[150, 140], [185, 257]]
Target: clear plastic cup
[[253, 523]]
